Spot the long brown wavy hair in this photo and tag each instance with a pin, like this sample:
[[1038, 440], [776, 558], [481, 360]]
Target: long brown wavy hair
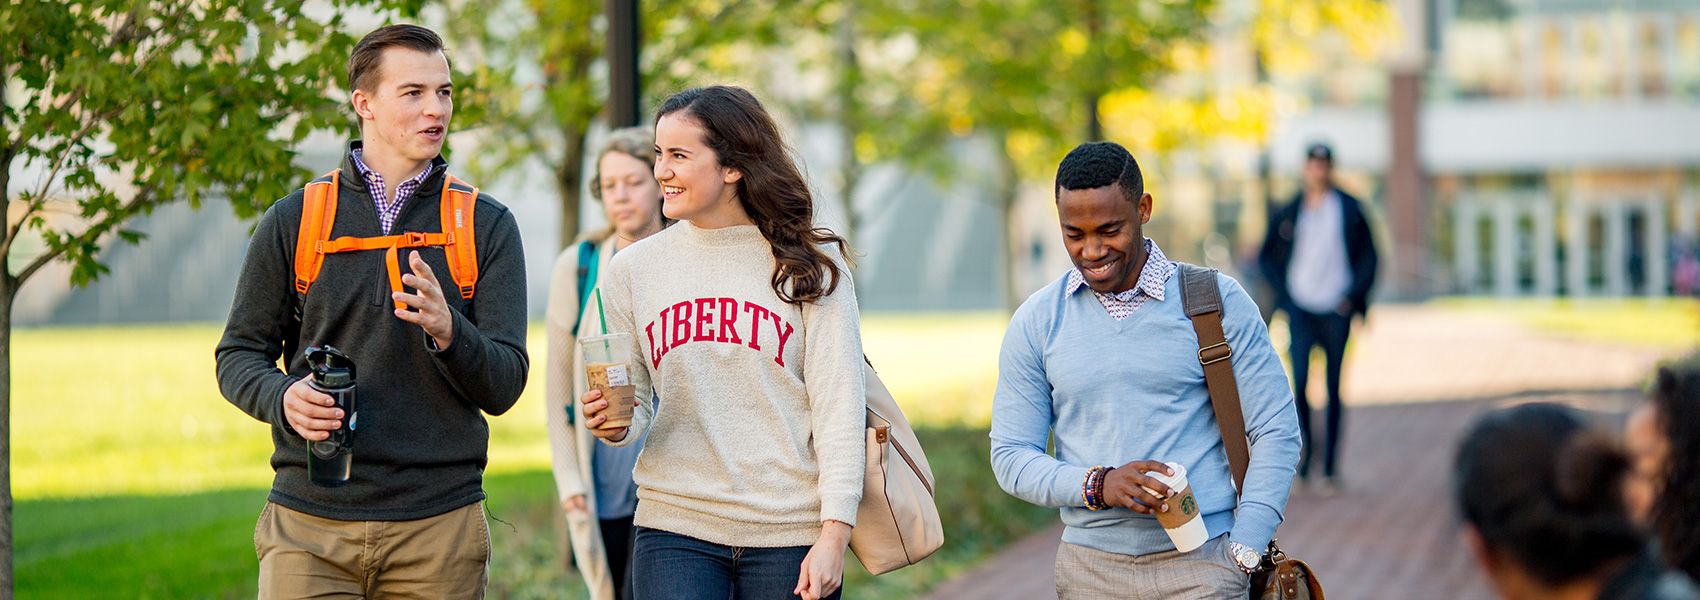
[[772, 191], [1676, 505]]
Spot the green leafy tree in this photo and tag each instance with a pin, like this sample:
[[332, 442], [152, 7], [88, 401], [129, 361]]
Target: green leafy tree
[[1034, 78], [113, 108], [540, 62], [1025, 75]]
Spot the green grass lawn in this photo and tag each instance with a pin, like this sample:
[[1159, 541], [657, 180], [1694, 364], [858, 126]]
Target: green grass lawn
[[134, 478], [1672, 323]]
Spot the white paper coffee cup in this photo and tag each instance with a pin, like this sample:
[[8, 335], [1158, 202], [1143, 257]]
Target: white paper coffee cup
[[1183, 521]]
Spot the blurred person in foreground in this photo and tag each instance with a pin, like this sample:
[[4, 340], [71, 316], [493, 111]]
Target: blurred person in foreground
[[1105, 363], [1663, 440], [594, 480], [1540, 496], [1319, 257]]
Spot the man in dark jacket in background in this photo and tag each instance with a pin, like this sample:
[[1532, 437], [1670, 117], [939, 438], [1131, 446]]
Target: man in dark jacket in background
[[1319, 257]]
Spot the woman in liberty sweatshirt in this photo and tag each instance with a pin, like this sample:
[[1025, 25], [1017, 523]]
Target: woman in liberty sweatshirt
[[747, 325]]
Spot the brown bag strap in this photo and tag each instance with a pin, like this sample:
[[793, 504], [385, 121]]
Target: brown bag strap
[[1201, 297]]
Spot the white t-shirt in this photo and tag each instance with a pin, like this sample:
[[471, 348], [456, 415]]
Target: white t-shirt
[[1319, 274]]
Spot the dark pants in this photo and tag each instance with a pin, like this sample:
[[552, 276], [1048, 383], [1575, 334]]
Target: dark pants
[[669, 565], [617, 544], [1329, 331]]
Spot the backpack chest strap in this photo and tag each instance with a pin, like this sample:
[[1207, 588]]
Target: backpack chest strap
[[457, 207], [390, 244]]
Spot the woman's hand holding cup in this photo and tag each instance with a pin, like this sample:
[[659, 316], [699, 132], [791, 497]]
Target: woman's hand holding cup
[[593, 407]]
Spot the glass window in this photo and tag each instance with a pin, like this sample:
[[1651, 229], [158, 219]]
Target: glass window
[[1685, 59], [1650, 58]]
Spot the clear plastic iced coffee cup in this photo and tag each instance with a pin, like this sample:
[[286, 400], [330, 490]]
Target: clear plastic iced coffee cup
[[607, 366]]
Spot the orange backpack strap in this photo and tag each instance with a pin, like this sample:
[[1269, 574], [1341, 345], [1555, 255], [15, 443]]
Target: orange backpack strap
[[318, 213], [458, 204], [390, 244]]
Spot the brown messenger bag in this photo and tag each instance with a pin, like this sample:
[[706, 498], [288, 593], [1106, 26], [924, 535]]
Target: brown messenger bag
[[1279, 577]]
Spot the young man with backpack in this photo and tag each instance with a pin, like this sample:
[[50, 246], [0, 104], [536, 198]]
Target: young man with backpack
[[420, 280], [1106, 364]]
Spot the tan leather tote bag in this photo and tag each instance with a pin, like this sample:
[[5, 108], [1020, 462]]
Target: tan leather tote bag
[[897, 523]]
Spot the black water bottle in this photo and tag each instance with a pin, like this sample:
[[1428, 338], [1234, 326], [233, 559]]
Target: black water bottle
[[329, 462]]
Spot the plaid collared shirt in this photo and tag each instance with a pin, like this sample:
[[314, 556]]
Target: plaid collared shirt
[[387, 210], [1152, 279]]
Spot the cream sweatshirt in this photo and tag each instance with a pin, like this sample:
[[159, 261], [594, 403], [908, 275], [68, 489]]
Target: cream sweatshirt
[[761, 436], [563, 372]]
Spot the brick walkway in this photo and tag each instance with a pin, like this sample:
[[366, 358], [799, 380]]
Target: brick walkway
[[1419, 377]]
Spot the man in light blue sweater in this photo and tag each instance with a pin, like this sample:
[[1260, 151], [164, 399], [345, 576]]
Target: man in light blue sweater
[[1104, 362]]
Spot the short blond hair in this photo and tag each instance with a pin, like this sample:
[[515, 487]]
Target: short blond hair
[[636, 142]]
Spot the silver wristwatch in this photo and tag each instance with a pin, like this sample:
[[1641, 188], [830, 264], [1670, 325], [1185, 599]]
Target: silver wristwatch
[[1246, 558]]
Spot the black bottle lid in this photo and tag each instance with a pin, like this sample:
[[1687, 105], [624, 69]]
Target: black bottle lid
[[331, 368]]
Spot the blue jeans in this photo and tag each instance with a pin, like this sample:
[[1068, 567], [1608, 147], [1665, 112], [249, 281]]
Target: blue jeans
[[669, 565], [1330, 331]]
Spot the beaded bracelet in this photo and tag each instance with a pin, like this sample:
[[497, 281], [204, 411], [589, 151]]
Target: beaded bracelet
[[1086, 488], [1098, 488], [1092, 489]]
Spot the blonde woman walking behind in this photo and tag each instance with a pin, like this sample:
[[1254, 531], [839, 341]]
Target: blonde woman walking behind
[[595, 480]]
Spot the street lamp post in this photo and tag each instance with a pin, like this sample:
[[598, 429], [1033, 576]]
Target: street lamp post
[[624, 87]]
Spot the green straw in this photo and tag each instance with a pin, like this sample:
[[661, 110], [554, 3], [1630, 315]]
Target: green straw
[[602, 316], [599, 313]]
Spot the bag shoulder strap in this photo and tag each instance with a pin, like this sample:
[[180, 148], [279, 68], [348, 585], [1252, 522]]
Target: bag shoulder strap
[[459, 201], [1201, 297], [318, 214], [886, 418], [586, 278]]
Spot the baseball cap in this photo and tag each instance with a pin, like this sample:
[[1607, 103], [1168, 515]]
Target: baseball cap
[[1320, 150]]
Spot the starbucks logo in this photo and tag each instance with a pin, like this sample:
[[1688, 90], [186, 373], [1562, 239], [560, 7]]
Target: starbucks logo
[[1188, 507]]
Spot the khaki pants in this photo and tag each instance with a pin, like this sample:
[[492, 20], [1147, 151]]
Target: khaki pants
[[303, 556], [1207, 572]]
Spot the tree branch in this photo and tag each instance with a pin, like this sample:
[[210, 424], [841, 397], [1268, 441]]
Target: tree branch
[[8, 150], [94, 231], [129, 32], [160, 46], [70, 146], [533, 142], [13, 229]]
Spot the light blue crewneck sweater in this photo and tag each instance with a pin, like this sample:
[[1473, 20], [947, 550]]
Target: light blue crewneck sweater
[[1117, 391]]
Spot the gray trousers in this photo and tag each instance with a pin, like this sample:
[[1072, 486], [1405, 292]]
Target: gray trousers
[[1207, 572]]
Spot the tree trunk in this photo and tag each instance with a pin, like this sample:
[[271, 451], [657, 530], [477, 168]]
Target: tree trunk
[[1265, 183], [1009, 189], [1094, 128], [7, 286], [569, 175], [850, 170], [7, 289]]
